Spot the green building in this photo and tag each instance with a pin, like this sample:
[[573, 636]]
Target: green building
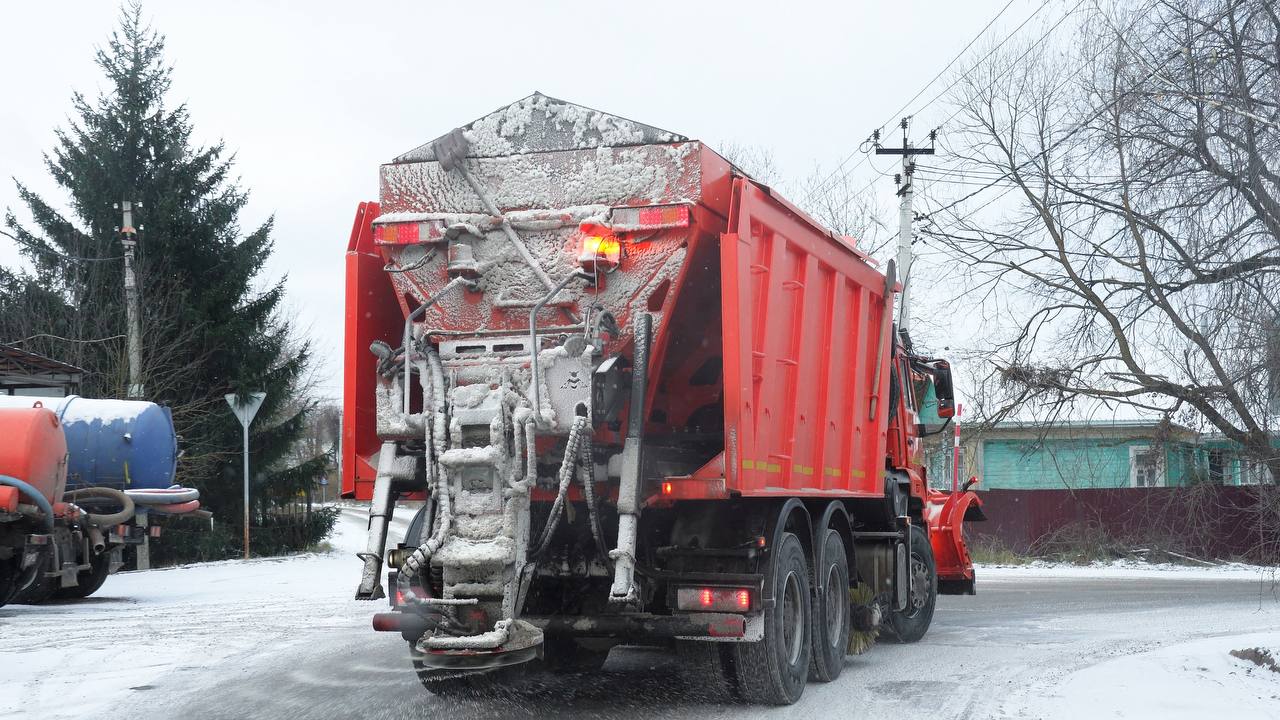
[[1109, 454]]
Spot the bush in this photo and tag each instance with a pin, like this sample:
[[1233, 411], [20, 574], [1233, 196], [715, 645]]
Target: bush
[[185, 541]]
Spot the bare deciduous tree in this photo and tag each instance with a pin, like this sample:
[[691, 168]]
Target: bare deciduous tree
[[1136, 254]]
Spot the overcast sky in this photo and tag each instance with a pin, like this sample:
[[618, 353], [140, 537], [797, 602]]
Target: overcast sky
[[313, 96]]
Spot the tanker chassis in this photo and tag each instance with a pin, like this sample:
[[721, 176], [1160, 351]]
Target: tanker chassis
[[645, 400]]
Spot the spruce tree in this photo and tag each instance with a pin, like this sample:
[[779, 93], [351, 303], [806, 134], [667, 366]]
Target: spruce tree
[[207, 330]]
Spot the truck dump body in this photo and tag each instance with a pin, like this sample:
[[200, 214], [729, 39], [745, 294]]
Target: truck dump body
[[645, 398]]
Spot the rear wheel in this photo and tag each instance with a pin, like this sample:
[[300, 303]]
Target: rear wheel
[[831, 611], [10, 575], [41, 586], [774, 670], [910, 624]]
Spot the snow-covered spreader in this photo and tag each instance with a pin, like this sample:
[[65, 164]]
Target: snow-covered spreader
[[645, 400]]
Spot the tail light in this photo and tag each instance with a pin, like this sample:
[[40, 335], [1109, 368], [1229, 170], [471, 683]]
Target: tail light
[[600, 253], [642, 219], [713, 599], [628, 220], [408, 233]]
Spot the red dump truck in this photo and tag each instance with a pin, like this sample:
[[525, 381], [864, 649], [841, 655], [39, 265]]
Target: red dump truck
[[645, 400]]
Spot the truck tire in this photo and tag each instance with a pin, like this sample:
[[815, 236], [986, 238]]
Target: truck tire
[[831, 621], [10, 575], [911, 624], [40, 588], [774, 670], [87, 581], [414, 531]]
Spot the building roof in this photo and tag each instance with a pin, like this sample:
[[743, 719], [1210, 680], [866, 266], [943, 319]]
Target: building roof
[[1079, 429], [24, 369]]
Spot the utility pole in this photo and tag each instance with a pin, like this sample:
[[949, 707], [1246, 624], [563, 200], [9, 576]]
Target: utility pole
[[129, 239], [906, 191]]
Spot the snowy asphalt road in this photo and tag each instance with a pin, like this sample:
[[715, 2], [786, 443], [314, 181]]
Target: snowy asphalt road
[[981, 653], [283, 639]]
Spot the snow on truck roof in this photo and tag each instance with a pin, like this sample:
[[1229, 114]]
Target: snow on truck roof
[[539, 123]]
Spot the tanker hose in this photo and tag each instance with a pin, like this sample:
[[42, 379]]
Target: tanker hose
[[168, 496], [40, 500], [567, 470], [116, 496]]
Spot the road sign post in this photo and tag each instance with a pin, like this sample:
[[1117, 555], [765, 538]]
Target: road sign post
[[245, 408]]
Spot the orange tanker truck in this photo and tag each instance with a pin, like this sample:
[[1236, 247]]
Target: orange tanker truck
[[645, 400]]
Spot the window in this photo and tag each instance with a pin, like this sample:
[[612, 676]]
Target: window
[[1254, 473], [1217, 467], [1145, 468]]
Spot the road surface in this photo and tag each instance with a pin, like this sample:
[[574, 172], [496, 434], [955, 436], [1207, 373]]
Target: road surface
[[283, 639]]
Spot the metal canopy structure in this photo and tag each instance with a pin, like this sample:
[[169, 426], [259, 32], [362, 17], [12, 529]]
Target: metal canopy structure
[[24, 370]]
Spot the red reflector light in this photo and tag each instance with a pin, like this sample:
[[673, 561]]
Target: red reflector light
[[639, 219], [408, 233], [664, 215], [713, 599], [667, 488]]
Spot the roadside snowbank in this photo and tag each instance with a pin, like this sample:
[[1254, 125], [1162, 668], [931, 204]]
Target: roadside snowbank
[[1127, 569], [1198, 679]]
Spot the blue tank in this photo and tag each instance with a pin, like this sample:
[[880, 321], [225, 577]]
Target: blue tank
[[121, 444]]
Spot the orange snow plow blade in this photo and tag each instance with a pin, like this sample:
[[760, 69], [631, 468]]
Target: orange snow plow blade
[[946, 512]]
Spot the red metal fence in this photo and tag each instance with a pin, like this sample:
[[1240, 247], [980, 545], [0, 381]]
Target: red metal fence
[[1206, 521]]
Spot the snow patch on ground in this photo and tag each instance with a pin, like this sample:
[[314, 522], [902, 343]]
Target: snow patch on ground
[[1128, 569], [1197, 679], [80, 659]]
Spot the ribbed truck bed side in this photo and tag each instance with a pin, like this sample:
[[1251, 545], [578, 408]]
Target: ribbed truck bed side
[[802, 315]]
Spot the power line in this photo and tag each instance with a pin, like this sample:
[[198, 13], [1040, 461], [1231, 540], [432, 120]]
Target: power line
[[51, 251], [1025, 53], [825, 184], [1152, 72]]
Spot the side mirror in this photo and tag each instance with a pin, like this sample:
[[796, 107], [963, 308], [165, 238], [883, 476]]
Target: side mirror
[[943, 388]]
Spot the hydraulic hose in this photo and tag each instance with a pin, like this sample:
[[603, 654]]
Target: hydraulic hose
[[40, 500], [115, 496], [586, 476], [568, 467], [436, 435]]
